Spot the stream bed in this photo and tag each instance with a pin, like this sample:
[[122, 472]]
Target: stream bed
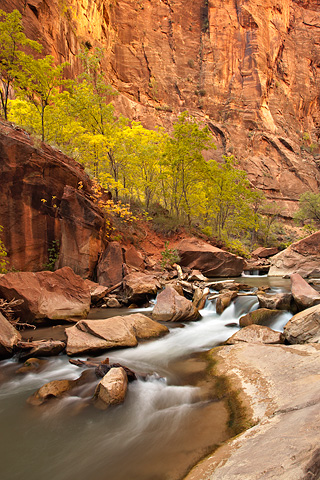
[[167, 423]]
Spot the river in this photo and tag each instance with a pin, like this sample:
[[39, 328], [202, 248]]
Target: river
[[168, 422]]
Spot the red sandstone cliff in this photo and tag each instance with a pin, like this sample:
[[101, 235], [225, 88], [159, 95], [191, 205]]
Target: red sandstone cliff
[[249, 68]]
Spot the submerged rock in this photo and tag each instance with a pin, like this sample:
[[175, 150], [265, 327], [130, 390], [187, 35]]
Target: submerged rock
[[112, 389], [40, 348], [172, 307]]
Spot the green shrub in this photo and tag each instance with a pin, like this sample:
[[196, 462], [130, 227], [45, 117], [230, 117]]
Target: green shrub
[[169, 256], [3, 255]]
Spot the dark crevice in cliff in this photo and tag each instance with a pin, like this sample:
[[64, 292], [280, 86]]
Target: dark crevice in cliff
[[218, 132]]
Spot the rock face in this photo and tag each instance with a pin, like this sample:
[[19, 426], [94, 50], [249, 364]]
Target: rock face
[[255, 334], [96, 335], [242, 80], [112, 389], [172, 307], [47, 295], [302, 257], [263, 252], [281, 385], [9, 337], [40, 203], [211, 261], [110, 267], [304, 327], [304, 295]]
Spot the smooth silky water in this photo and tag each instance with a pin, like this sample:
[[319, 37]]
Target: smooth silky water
[[167, 423]]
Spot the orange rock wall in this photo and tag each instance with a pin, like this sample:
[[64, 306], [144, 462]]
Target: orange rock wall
[[250, 69]]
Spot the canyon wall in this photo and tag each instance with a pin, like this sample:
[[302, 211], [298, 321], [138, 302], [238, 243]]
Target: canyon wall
[[249, 69]]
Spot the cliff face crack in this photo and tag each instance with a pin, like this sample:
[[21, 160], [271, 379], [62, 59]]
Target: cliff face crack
[[312, 403]]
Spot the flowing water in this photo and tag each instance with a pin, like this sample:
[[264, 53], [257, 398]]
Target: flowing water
[[169, 419]]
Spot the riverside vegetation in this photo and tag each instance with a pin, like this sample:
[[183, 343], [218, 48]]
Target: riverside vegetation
[[163, 173]]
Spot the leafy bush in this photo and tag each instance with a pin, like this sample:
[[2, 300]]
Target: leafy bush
[[3, 255], [169, 256]]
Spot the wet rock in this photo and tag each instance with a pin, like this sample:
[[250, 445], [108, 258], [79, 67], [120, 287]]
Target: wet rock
[[110, 266], [304, 295], [262, 316], [224, 300], [304, 327], [277, 301], [112, 389], [139, 286], [47, 295], [255, 334], [200, 297], [9, 337], [97, 335], [40, 348], [172, 307], [54, 389], [32, 365], [211, 261], [302, 257]]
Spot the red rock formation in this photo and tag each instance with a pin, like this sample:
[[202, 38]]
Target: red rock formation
[[40, 203], [250, 69]]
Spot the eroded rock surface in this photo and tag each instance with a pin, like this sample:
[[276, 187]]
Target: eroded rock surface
[[281, 388], [304, 327], [112, 389], [255, 334], [173, 307], [262, 316], [304, 295], [9, 337]]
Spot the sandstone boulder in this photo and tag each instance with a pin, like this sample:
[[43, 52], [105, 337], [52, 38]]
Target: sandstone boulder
[[304, 327], [54, 389], [263, 252], [304, 295], [97, 291], [277, 301], [302, 257], [211, 261], [32, 365], [89, 336], [9, 337], [133, 258], [255, 334], [110, 266], [112, 389], [47, 295], [262, 316], [138, 287], [172, 307]]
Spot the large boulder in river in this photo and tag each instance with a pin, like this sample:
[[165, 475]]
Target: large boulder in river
[[110, 267], [276, 301], [304, 295], [89, 336], [211, 261], [41, 201], [47, 295], [304, 327], [264, 252], [280, 385], [259, 334], [302, 257], [9, 337], [112, 389], [172, 307], [138, 287]]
